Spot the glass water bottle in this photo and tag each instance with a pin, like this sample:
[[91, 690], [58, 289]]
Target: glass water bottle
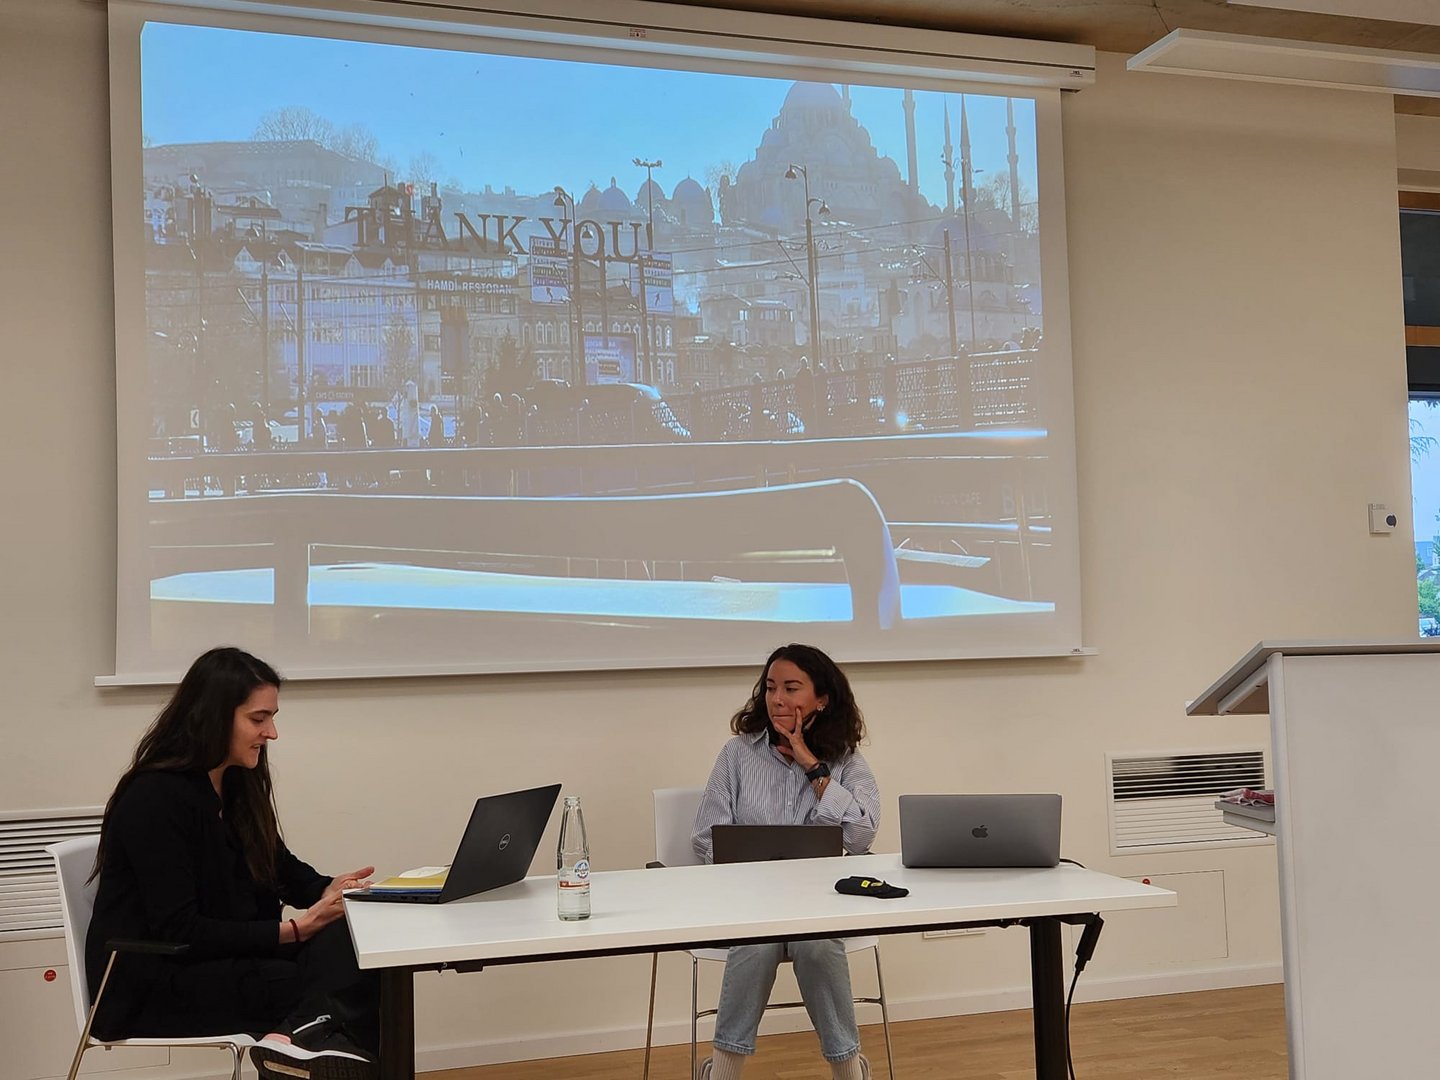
[[572, 864]]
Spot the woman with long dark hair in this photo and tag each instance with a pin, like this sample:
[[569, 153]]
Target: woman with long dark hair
[[793, 761], [191, 854]]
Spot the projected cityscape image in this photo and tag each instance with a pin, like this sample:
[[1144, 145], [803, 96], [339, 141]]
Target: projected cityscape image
[[478, 348]]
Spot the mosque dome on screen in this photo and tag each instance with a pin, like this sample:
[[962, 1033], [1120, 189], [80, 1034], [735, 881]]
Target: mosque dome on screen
[[648, 193], [614, 200], [691, 203], [816, 142], [611, 201], [808, 95]]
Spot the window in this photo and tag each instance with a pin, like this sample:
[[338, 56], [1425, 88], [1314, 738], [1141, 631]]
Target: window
[[1425, 492], [1420, 274]]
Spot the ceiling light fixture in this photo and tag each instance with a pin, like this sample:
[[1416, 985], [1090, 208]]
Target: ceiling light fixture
[[1300, 63], [1419, 12]]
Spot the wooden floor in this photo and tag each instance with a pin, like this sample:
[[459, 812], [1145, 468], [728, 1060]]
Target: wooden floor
[[1215, 1035]]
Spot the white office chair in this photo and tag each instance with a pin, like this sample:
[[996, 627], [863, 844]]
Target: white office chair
[[674, 821], [73, 861]]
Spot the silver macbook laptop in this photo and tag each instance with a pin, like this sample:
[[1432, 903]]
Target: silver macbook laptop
[[979, 830]]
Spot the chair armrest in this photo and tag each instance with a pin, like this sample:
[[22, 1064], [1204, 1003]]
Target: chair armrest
[[152, 948], [654, 866]]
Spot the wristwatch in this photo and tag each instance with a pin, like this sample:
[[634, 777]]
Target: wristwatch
[[820, 770]]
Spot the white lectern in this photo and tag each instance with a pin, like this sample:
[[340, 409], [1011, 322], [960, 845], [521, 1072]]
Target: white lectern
[[1355, 735]]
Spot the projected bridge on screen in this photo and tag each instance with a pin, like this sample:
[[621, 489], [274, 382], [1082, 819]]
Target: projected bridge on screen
[[347, 567]]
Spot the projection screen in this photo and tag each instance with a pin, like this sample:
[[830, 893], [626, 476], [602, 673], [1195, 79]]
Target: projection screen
[[454, 346]]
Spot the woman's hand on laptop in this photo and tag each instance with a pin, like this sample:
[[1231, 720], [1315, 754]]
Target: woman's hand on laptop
[[331, 904], [355, 879]]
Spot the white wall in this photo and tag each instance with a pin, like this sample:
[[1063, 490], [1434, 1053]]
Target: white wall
[[1418, 151], [1241, 396]]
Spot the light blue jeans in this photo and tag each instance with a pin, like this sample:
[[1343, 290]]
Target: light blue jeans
[[823, 973]]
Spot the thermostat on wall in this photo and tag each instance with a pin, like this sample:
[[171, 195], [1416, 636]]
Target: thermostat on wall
[[1381, 519]]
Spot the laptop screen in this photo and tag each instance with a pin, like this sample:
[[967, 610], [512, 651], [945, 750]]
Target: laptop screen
[[761, 843], [979, 830], [500, 841], [496, 849]]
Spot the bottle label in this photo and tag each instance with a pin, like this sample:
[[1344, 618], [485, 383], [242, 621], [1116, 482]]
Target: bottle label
[[582, 869]]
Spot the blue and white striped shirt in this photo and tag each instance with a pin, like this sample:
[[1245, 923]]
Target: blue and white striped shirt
[[752, 784]]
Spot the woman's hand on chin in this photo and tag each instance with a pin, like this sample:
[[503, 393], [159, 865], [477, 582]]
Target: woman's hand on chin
[[793, 745]]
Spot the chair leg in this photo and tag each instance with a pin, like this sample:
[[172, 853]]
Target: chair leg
[[237, 1056], [90, 1018], [650, 1020], [694, 1014], [884, 1016], [79, 1053]]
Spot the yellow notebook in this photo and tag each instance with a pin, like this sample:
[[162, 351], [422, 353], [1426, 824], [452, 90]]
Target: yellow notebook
[[421, 879]]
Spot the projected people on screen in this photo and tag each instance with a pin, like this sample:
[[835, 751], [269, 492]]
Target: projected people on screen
[[559, 406]]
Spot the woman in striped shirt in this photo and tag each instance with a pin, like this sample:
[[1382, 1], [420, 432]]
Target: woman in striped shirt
[[793, 761]]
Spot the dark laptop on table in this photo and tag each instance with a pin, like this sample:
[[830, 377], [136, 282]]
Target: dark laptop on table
[[497, 848], [979, 830], [762, 843]]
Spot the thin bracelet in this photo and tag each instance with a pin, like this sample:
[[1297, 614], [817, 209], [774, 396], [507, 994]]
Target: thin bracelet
[[296, 927]]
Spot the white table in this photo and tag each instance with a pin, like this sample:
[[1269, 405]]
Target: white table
[[639, 911]]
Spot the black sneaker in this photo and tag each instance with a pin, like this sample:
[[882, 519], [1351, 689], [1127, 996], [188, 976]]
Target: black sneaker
[[317, 1050]]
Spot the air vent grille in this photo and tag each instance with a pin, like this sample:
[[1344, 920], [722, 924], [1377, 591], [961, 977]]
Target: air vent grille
[[29, 894], [1166, 801]]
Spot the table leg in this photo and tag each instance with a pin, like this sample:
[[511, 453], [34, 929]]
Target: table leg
[[1047, 989], [397, 1025]]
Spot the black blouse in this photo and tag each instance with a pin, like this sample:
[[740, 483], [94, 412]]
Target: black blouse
[[175, 872]]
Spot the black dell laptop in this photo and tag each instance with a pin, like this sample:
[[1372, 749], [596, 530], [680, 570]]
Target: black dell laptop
[[496, 850]]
